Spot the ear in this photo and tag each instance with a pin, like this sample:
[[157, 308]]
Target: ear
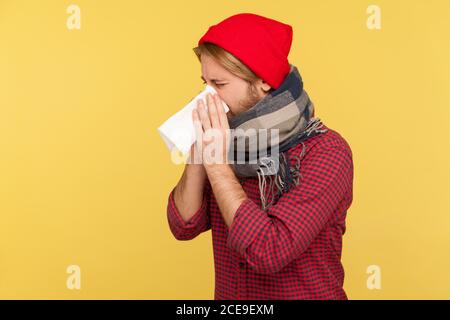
[[265, 86]]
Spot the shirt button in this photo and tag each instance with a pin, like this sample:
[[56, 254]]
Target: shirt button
[[241, 264]]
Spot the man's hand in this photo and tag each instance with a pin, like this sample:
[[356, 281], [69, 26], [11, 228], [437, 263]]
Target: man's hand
[[212, 130], [213, 137]]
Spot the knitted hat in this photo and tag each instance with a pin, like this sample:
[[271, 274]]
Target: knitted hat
[[262, 44]]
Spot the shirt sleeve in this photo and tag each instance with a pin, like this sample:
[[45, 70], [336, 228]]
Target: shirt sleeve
[[198, 223], [272, 239]]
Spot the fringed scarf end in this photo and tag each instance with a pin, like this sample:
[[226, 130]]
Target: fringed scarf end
[[285, 176]]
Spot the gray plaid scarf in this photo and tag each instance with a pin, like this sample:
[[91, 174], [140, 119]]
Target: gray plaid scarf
[[278, 122]]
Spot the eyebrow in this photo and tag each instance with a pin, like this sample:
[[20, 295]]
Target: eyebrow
[[211, 79]]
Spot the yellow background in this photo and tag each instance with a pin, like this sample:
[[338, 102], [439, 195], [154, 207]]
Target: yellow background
[[84, 175]]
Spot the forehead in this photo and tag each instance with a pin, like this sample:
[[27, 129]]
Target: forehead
[[212, 70]]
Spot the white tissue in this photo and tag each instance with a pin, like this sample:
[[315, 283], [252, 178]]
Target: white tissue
[[179, 131]]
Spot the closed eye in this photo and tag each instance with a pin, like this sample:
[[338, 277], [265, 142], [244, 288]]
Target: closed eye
[[217, 84]]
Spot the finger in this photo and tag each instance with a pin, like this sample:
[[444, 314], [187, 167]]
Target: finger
[[203, 115], [197, 126], [221, 113], [198, 145], [212, 111]]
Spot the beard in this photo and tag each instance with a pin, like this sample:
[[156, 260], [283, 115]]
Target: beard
[[245, 104], [251, 99]]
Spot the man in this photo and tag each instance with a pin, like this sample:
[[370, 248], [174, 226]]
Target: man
[[276, 240]]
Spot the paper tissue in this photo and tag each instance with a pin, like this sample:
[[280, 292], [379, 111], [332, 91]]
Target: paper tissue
[[179, 131]]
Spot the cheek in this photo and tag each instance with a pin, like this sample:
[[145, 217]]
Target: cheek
[[232, 97], [227, 97]]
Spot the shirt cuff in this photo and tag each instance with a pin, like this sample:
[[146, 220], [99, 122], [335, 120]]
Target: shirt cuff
[[176, 218], [247, 223]]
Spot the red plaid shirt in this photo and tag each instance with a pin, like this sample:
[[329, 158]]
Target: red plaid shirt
[[291, 251]]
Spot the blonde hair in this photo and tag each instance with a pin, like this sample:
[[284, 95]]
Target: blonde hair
[[229, 62]]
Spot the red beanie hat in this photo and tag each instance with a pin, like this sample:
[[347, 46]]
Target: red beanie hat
[[262, 44]]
